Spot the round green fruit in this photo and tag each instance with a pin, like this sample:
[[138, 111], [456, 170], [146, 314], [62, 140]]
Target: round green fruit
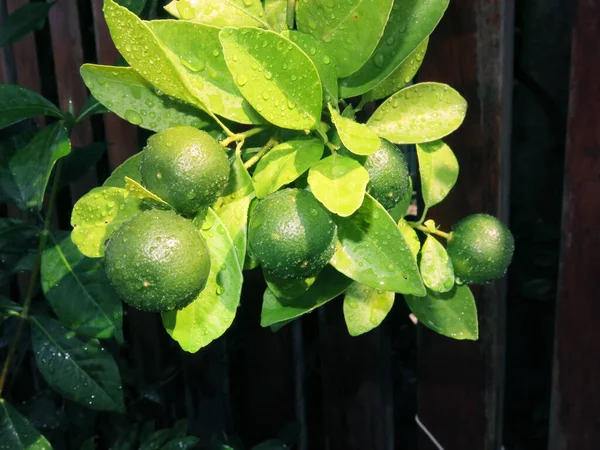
[[185, 167], [481, 248], [292, 234], [157, 261]]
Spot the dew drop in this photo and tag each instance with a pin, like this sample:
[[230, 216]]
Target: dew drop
[[133, 117]]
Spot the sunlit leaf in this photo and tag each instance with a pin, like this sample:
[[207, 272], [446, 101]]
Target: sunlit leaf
[[411, 237], [140, 192], [439, 169], [129, 169], [222, 13], [276, 14], [365, 308], [436, 266], [356, 137]]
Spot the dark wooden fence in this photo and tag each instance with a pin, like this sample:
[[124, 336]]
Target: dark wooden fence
[[364, 393]]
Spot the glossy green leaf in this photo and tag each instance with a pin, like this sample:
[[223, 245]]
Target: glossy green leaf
[[287, 289], [410, 22], [436, 267], [79, 370], [339, 183], [411, 237], [276, 14], [129, 96], [79, 292], [317, 52], [285, 163], [98, 214], [401, 76], [29, 17], [135, 6], [372, 250], [19, 242], [452, 314], [419, 113], [182, 443], [222, 13], [7, 307], [439, 169], [196, 52], [18, 103], [17, 433], [129, 169], [9, 191], [328, 285], [401, 209], [140, 192], [157, 439], [32, 165], [239, 184], [272, 444], [91, 107], [365, 308], [79, 162], [213, 311], [350, 30], [275, 76], [356, 137]]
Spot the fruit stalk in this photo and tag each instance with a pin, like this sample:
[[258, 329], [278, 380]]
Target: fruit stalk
[[268, 146], [426, 230]]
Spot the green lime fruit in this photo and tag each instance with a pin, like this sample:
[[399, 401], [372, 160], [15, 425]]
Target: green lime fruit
[[389, 175], [157, 261], [185, 167], [292, 234], [481, 248]]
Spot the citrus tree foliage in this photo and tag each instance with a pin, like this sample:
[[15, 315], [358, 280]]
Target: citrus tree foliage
[[283, 95]]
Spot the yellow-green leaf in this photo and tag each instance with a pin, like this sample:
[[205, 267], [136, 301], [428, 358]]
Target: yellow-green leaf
[[356, 137], [365, 308], [439, 169]]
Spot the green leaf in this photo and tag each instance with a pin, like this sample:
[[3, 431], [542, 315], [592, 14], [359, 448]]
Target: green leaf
[[19, 242], [91, 107], [401, 209], [350, 29], [77, 163], [159, 438], [452, 314], [276, 77], [287, 289], [17, 433], [356, 137], [372, 250], [271, 444], [140, 192], [7, 306], [436, 266], [9, 191], [236, 205], [79, 292], [339, 183], [222, 13], [285, 163], [182, 443], [98, 214], [31, 166], [129, 96], [365, 308], [18, 103], [319, 55], [439, 169], [196, 51], [411, 237], [410, 23], [29, 17], [328, 285], [276, 14], [129, 169], [401, 76], [135, 6], [81, 371], [419, 113], [213, 311]]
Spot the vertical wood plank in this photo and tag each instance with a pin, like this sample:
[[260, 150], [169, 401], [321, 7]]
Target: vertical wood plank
[[576, 391], [460, 383]]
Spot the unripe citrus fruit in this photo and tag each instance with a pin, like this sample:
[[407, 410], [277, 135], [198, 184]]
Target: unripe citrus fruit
[[292, 234], [186, 167], [157, 261], [481, 248]]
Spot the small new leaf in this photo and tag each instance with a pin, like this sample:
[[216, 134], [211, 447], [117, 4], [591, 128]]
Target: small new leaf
[[356, 137], [436, 266], [439, 169]]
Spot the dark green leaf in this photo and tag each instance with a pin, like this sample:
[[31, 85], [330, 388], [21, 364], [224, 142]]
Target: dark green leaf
[[328, 285], [438, 168], [436, 266], [159, 438], [452, 314], [282, 84], [272, 444], [77, 163], [79, 292], [18, 103], [419, 113], [235, 13], [350, 29], [17, 433], [98, 214], [129, 169], [128, 95], [213, 311], [401, 76], [7, 307], [196, 51], [365, 308], [276, 14], [31, 166], [317, 52], [356, 137], [29, 17], [339, 183], [19, 242], [135, 6], [89, 444], [285, 163], [81, 371], [182, 443], [9, 191], [239, 184], [91, 107], [372, 250], [410, 22]]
